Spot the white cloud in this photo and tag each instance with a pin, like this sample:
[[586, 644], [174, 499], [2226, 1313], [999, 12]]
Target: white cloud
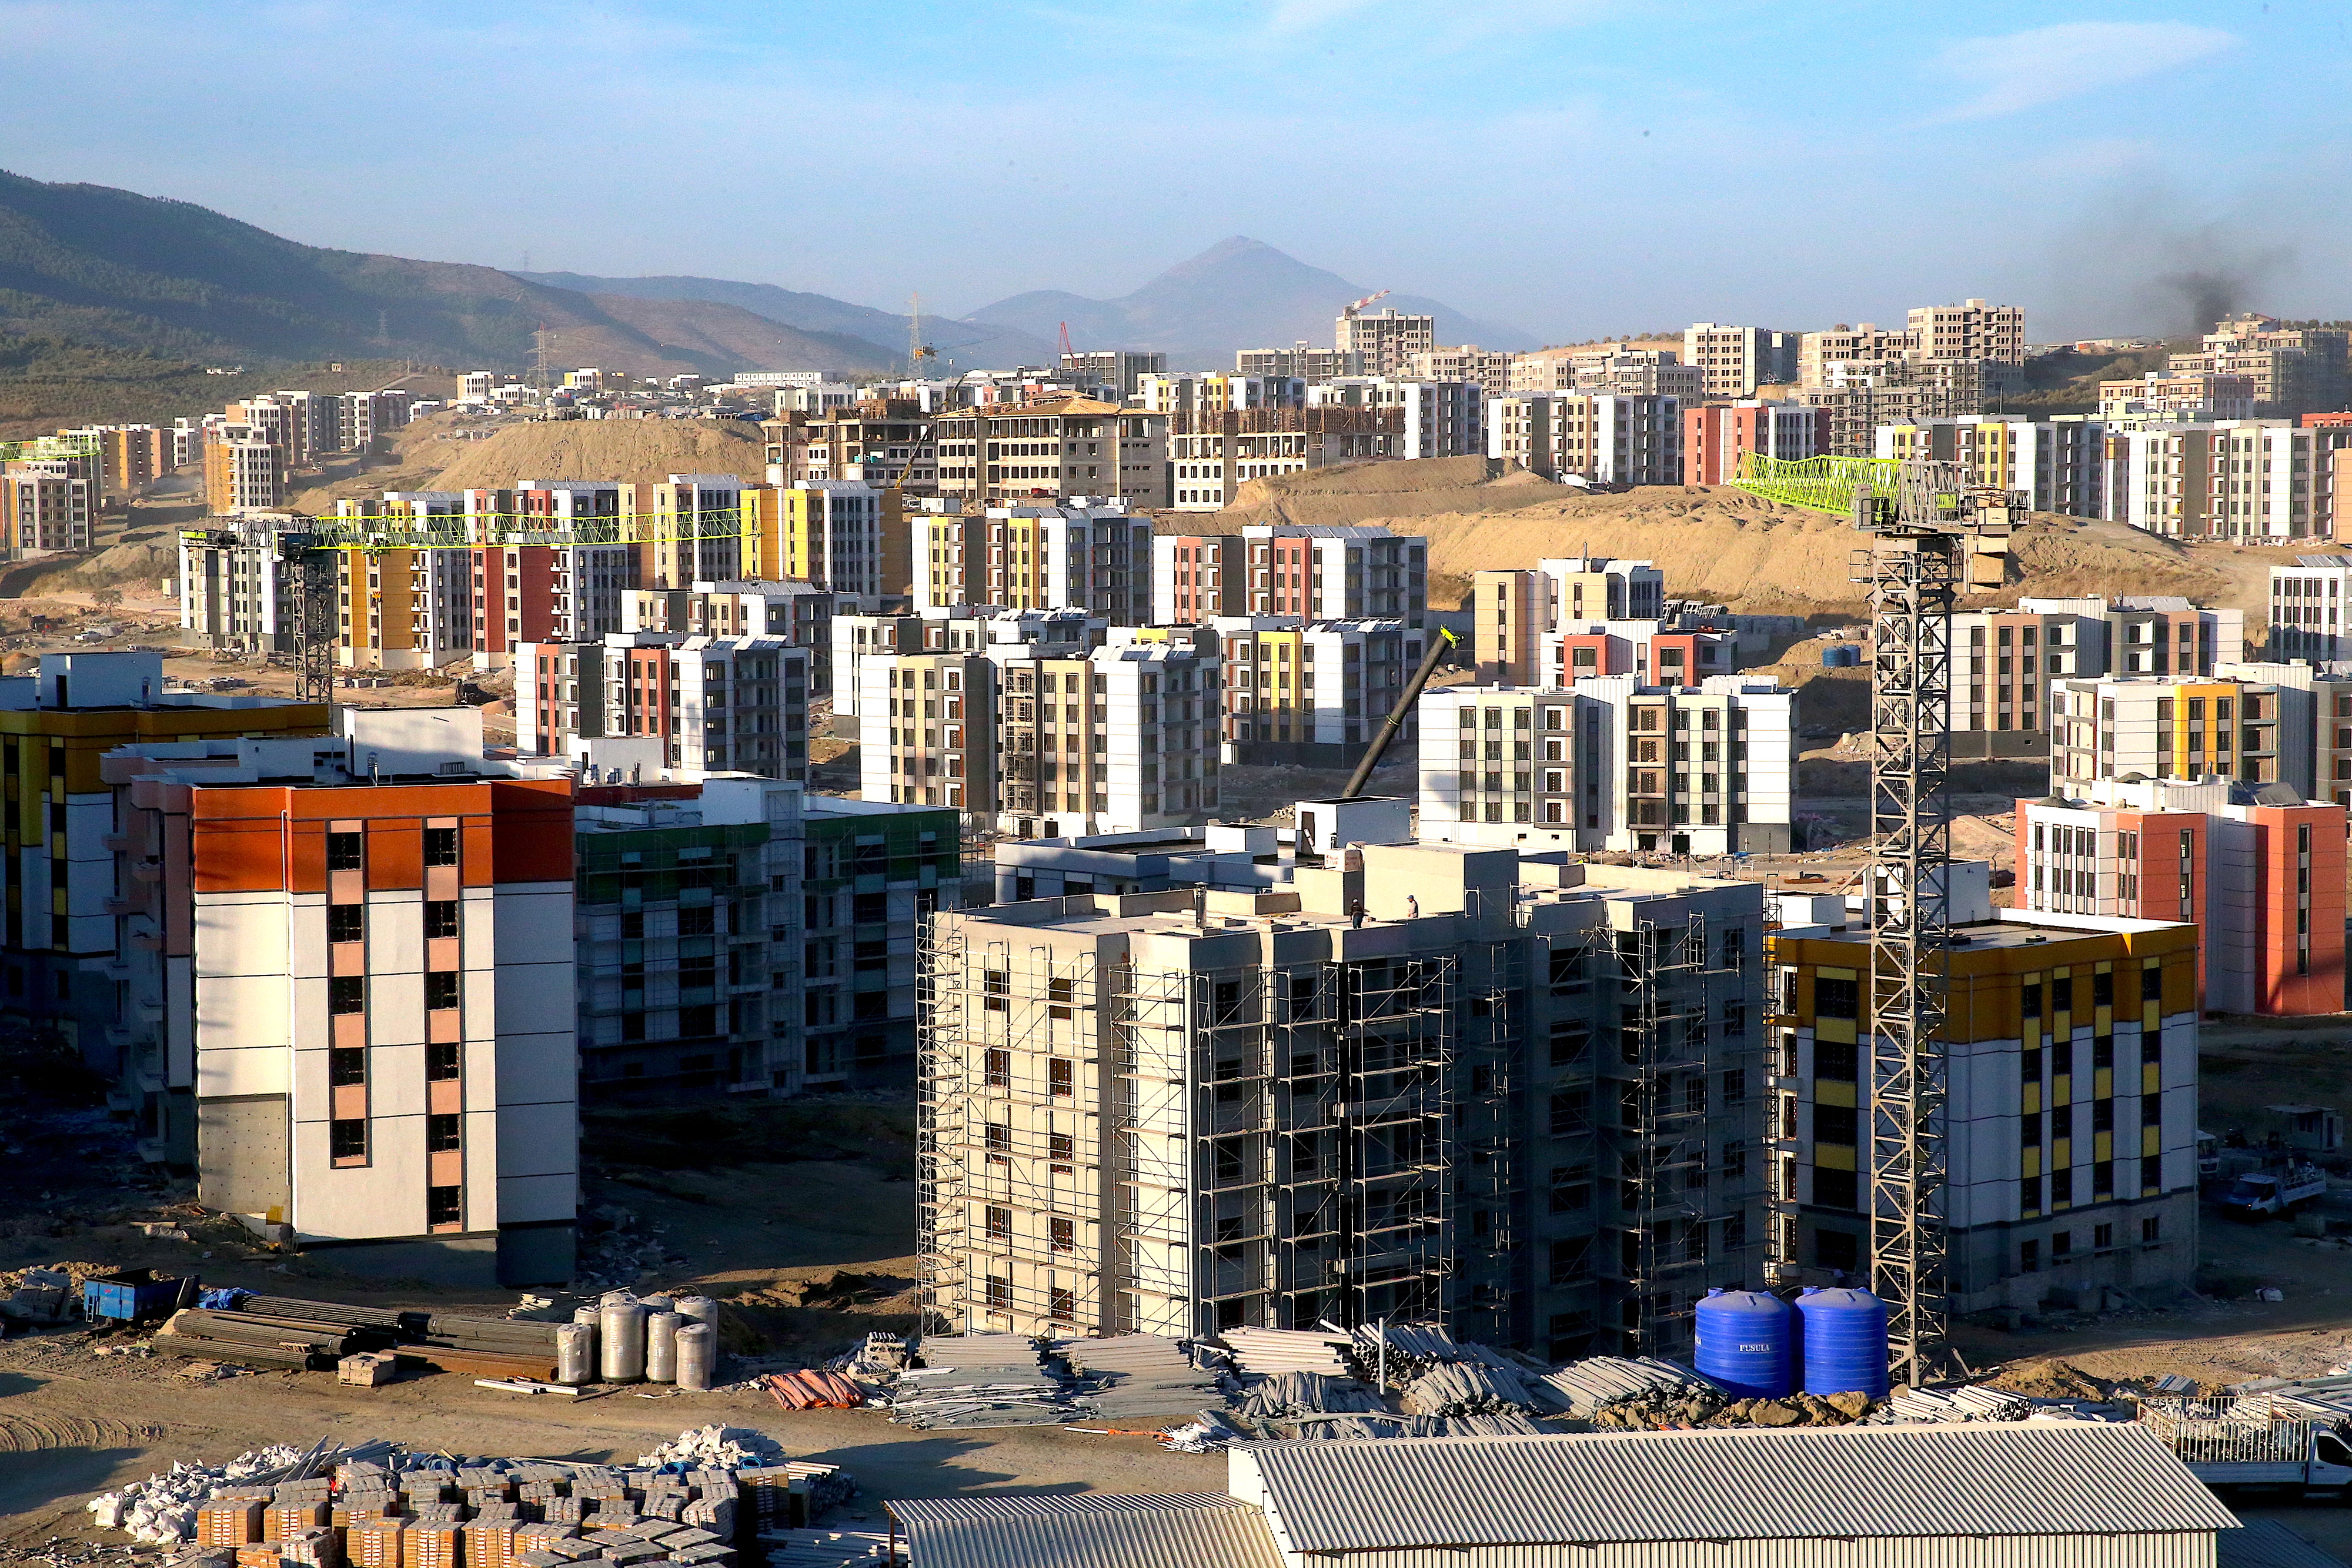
[[2044, 65], [1457, 22]]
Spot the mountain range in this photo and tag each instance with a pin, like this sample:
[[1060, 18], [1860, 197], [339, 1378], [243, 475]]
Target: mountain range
[[90, 275]]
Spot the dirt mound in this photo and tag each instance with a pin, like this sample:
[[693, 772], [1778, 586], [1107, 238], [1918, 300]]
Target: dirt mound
[[645, 450], [2051, 1379]]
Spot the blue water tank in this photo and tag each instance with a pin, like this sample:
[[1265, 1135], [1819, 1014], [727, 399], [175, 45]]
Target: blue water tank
[[1744, 1343], [1846, 1342]]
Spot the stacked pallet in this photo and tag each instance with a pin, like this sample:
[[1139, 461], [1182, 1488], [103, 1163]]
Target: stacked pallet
[[484, 1347]]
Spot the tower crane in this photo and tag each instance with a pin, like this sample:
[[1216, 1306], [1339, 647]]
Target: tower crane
[[1931, 531], [1367, 300], [917, 350]]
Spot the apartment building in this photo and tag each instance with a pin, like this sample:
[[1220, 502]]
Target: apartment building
[[1118, 740], [49, 505], [1435, 418], [58, 936], [1817, 351], [1214, 392], [800, 613], [2056, 465], [1210, 456], [544, 593], [2180, 726], [2261, 879], [409, 609], [1716, 434], [2294, 370], [1733, 362], [1319, 573], [1595, 437], [1619, 370], [1385, 342], [2310, 601], [1325, 1115], [1490, 370], [2162, 398], [2251, 480], [1611, 763], [1969, 331], [1056, 448], [984, 628], [1090, 555], [1517, 616], [2070, 1107], [130, 456], [238, 587], [2327, 710], [1311, 694], [878, 441], [244, 471], [370, 418], [2004, 662], [715, 705], [1118, 371], [359, 955], [694, 526], [1301, 361], [843, 535], [1861, 394]]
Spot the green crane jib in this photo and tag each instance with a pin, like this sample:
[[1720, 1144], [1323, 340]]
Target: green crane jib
[[1395, 721]]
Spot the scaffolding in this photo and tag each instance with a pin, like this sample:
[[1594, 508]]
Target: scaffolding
[[940, 1119]]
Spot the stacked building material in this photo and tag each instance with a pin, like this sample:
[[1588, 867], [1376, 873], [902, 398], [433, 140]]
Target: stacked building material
[[1583, 1387], [824, 1548], [1139, 1375], [1288, 1395], [382, 1320], [484, 1347], [813, 1389], [1265, 1352], [1916, 1405], [1469, 1388], [248, 1338], [969, 1381]]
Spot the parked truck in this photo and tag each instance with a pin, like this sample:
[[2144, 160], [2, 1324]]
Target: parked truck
[[2258, 1195], [2266, 1440]]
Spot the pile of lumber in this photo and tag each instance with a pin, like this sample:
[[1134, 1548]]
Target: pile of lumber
[[483, 1347]]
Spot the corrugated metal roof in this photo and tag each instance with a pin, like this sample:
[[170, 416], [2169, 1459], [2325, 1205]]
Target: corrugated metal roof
[[1088, 1529], [2267, 1544], [1982, 1479]]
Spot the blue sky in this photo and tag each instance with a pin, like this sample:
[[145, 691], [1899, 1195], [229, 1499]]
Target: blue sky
[[1572, 167]]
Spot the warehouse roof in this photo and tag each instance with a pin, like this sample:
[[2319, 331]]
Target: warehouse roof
[[2267, 1544], [1981, 1479], [1086, 1530]]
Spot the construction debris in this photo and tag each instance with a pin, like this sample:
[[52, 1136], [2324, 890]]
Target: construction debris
[[716, 1448], [1971, 1403], [1294, 1394], [1139, 1375], [1470, 1389], [972, 1381], [1582, 1388]]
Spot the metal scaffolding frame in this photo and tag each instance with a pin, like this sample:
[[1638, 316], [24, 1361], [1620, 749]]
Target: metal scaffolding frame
[[941, 1105]]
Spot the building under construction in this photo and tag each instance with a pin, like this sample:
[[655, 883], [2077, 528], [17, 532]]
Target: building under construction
[[1419, 1080]]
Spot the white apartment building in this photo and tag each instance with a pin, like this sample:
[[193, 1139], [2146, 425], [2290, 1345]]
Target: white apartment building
[[1384, 342], [2162, 397], [1611, 764], [1312, 695], [1438, 419], [1490, 369], [238, 589], [359, 951], [2258, 480], [952, 629], [1617, 371], [1118, 740], [2058, 466], [1598, 437], [1084, 554], [2310, 609], [1215, 392], [2182, 726], [1733, 362]]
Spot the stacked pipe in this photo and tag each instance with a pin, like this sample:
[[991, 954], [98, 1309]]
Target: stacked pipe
[[255, 1339], [485, 1347]]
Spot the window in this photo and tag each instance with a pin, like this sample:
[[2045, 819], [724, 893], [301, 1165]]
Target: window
[[1570, 1261], [1735, 1086], [999, 1068], [1060, 1147], [2151, 1229], [346, 922], [440, 846], [1000, 1294], [1062, 1305], [996, 989], [1058, 994], [344, 851], [1571, 1112], [347, 1140], [2062, 1244], [347, 994], [1835, 1059], [440, 990], [1062, 1235], [1061, 1076], [445, 1205], [1835, 998], [1834, 1124], [870, 908], [441, 917], [442, 1133], [2030, 998], [999, 1138], [2151, 985], [1571, 1189], [2102, 1237], [442, 1061], [2102, 990], [1835, 1189], [1570, 1038], [2029, 1257], [346, 1066], [1000, 1224]]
